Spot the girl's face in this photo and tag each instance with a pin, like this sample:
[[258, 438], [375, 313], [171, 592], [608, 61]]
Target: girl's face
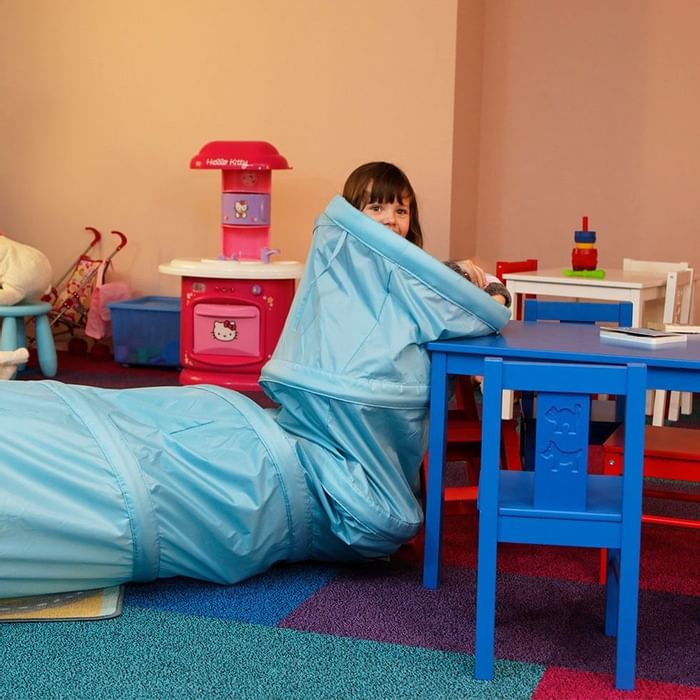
[[395, 215]]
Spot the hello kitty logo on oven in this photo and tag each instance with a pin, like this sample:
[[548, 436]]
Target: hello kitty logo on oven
[[225, 331]]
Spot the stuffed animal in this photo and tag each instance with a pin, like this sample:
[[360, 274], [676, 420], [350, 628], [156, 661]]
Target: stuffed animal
[[25, 272], [9, 359]]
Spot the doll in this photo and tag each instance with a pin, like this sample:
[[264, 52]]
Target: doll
[[9, 360], [25, 272]]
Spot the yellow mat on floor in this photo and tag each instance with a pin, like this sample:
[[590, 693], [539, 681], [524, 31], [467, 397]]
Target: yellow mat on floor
[[99, 604]]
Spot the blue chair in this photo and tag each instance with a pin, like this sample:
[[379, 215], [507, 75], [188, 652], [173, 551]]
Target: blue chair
[[578, 311], [13, 335], [559, 503]]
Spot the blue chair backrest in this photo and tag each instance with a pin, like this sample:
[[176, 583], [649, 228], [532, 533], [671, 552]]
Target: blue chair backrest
[[578, 311], [563, 418]]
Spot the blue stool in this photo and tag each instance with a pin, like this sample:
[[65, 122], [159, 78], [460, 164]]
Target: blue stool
[[13, 336]]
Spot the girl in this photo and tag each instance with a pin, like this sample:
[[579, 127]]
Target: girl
[[383, 192]]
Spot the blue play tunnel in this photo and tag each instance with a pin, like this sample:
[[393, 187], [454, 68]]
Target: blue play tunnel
[[103, 486]]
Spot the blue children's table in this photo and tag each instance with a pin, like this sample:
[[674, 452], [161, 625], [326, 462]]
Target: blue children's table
[[669, 367]]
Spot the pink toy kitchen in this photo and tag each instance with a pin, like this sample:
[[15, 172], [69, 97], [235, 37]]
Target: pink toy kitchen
[[233, 306]]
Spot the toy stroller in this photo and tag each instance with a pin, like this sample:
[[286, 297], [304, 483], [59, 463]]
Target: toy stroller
[[71, 303]]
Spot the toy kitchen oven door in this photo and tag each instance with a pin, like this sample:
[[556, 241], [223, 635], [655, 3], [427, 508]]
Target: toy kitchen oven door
[[234, 306]]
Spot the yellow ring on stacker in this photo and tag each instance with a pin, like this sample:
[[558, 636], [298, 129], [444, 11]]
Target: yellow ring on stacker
[[585, 245]]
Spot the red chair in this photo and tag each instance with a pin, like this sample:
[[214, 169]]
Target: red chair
[[463, 440], [463, 443], [505, 266], [669, 453]]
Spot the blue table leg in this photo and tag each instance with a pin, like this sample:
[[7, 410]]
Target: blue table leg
[[436, 465]]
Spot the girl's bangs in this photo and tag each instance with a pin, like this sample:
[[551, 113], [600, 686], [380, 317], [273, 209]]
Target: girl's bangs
[[389, 191]]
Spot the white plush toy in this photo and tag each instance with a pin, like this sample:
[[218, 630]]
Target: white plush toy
[[25, 272], [9, 359]]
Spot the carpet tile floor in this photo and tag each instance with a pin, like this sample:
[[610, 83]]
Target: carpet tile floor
[[371, 631]]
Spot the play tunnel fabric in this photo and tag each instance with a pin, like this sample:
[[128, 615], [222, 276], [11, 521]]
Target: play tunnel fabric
[[351, 372], [103, 486]]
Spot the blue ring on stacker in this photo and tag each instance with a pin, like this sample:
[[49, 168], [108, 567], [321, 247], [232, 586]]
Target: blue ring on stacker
[[584, 236]]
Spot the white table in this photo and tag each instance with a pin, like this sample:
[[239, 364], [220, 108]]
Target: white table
[[617, 285]]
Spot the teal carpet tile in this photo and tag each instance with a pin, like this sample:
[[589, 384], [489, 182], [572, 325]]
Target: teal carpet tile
[[152, 654]]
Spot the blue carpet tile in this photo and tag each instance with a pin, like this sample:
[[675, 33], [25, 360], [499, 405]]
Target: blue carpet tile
[[263, 600]]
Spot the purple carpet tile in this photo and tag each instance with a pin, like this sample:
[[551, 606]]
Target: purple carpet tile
[[539, 620], [386, 602]]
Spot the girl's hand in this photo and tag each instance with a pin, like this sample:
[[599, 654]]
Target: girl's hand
[[476, 274]]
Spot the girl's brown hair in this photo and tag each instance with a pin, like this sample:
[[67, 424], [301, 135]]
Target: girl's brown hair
[[383, 182]]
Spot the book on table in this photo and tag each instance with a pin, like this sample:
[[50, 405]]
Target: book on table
[[674, 327], [647, 337]]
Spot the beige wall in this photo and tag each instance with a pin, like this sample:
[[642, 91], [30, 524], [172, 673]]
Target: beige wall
[[467, 124], [590, 107], [104, 102], [513, 118]]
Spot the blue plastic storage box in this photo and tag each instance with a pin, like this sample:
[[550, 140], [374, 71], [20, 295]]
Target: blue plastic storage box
[[146, 331]]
